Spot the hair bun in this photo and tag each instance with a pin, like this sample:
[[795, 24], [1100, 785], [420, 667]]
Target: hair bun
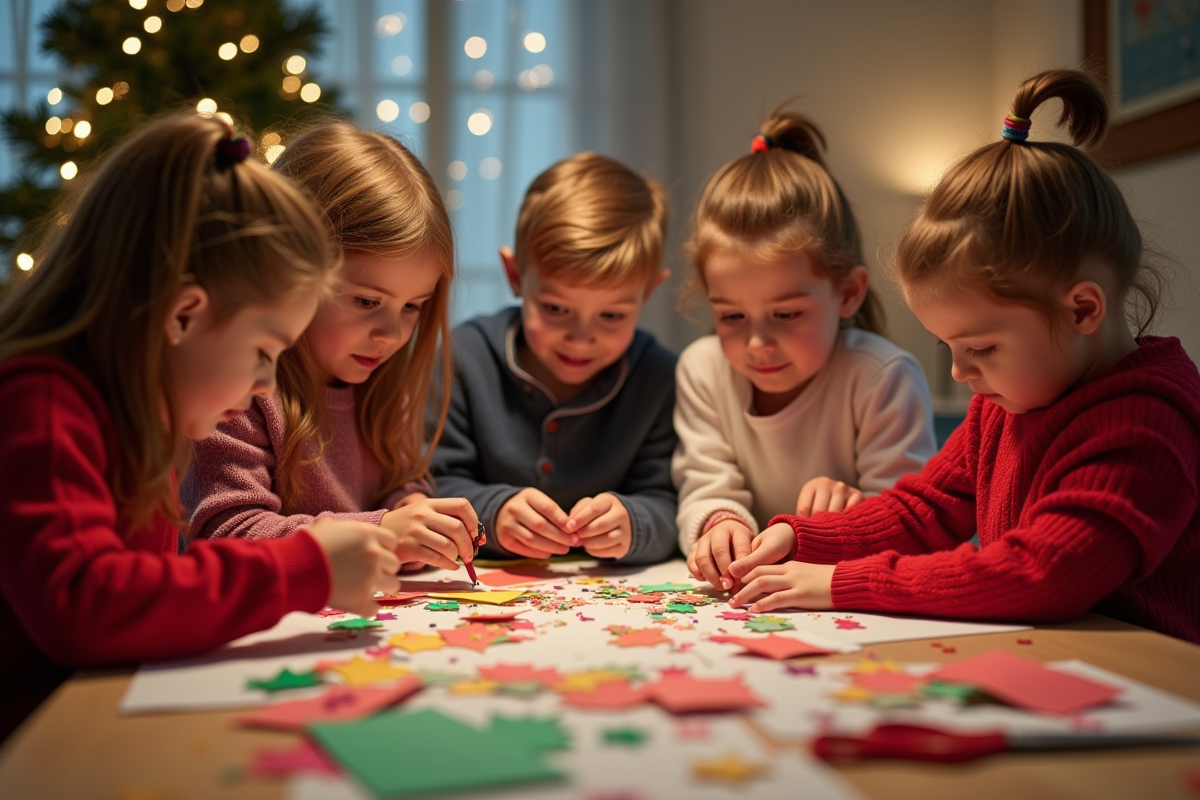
[[791, 131], [1085, 110]]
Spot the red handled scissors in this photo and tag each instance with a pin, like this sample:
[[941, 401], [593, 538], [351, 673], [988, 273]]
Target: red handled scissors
[[920, 743]]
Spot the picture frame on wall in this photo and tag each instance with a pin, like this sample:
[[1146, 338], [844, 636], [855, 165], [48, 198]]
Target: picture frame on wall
[[1149, 51]]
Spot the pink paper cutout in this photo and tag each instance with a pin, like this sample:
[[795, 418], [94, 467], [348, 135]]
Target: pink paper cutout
[[848, 625], [644, 598], [384, 616], [611, 695], [529, 573], [739, 615], [520, 673], [773, 646], [330, 612], [498, 616], [304, 757], [475, 636], [683, 694], [885, 681], [522, 625], [1028, 684], [339, 704], [646, 637]]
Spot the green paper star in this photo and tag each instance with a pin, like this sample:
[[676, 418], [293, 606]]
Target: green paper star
[[538, 734], [763, 624], [681, 608], [286, 679], [957, 692], [666, 587], [448, 605], [358, 624], [657, 616], [630, 737]]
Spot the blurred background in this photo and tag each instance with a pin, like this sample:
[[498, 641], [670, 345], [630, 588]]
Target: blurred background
[[490, 92]]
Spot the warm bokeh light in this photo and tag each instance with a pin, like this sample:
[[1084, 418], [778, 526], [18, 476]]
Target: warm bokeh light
[[295, 65], [54, 96], [475, 47], [535, 42], [310, 92], [152, 24], [227, 51], [67, 124], [419, 112], [120, 89], [390, 24], [207, 106], [480, 122], [274, 152], [83, 129], [137, 4], [457, 170], [68, 170], [291, 84], [387, 110], [270, 139], [489, 168], [53, 125], [194, 3], [226, 118], [132, 45], [174, 5], [24, 262], [104, 95]]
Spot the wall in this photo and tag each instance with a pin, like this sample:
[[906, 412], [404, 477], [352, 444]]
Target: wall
[[901, 90]]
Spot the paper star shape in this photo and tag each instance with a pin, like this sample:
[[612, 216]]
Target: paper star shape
[[645, 598], [773, 646], [738, 615], [474, 636], [685, 694], [884, 682], [731, 769], [521, 673], [666, 587], [767, 624], [612, 695], [646, 637], [439, 605], [587, 681], [868, 667], [286, 679], [618, 629], [385, 615], [797, 669], [360, 671], [356, 624], [693, 599], [340, 703], [681, 608], [416, 642], [630, 737], [848, 625]]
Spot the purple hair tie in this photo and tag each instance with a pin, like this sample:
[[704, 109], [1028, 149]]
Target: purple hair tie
[[232, 151]]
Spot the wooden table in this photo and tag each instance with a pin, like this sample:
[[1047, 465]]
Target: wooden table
[[77, 746]]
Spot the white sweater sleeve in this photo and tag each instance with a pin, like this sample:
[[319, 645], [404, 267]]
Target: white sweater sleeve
[[894, 418], [704, 467]]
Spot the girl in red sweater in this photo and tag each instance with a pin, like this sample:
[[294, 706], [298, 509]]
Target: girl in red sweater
[[1077, 463], [157, 309]]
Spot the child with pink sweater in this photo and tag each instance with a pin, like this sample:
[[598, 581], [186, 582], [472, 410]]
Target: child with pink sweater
[[343, 437]]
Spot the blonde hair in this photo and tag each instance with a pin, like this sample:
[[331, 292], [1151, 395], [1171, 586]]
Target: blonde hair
[[156, 215], [592, 221], [778, 201], [1016, 219], [380, 200]]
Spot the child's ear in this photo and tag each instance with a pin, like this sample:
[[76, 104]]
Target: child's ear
[[854, 292], [189, 305], [1087, 304], [656, 282], [509, 260]]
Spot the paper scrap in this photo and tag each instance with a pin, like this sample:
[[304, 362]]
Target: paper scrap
[[1028, 684], [340, 703]]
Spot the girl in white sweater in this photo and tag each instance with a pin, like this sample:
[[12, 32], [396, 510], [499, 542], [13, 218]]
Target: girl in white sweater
[[797, 404]]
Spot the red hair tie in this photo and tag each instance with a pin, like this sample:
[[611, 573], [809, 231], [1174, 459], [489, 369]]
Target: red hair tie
[[761, 143]]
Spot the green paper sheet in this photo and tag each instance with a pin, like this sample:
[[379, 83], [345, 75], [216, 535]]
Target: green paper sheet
[[538, 734]]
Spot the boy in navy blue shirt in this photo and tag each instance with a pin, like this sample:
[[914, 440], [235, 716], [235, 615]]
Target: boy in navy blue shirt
[[559, 430]]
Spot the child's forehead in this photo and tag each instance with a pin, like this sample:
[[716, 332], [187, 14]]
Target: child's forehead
[[630, 290]]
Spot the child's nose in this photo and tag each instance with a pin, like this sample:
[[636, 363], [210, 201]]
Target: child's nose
[[265, 387], [962, 371], [579, 331], [388, 331]]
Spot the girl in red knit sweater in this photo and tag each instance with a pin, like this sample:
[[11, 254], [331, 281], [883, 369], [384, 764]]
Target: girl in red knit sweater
[[343, 437], [1077, 463], [159, 308]]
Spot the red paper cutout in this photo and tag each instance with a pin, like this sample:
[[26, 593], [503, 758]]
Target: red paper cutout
[[848, 625], [526, 573], [887, 682], [475, 636], [520, 673], [1028, 684], [399, 598], [773, 646], [608, 695], [644, 598], [684, 694], [739, 615], [647, 637], [304, 757], [339, 704], [498, 616]]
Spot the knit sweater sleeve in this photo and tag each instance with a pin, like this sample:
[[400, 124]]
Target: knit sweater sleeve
[[81, 590], [1116, 497], [229, 491], [894, 419], [704, 467], [927, 512]]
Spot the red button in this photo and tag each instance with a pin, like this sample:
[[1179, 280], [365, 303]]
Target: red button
[[552, 426], [547, 466]]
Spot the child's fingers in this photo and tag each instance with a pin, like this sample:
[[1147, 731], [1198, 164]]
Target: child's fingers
[[804, 503], [785, 598], [581, 517], [743, 540], [432, 556], [854, 499], [821, 498], [460, 510], [721, 549], [601, 525], [530, 519], [615, 551], [702, 554], [533, 540], [758, 586], [549, 510], [452, 531]]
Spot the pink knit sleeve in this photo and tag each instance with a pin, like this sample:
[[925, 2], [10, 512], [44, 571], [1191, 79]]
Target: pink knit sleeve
[[229, 490]]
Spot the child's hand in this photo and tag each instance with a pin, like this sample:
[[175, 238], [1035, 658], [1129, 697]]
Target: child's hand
[[791, 585], [530, 524], [434, 531], [410, 498], [362, 561], [777, 543], [826, 494], [713, 552], [602, 525]]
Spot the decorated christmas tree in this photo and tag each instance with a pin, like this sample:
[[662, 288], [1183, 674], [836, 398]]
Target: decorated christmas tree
[[127, 60]]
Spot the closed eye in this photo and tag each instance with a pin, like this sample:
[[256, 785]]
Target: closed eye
[[412, 308], [984, 353], [366, 303]]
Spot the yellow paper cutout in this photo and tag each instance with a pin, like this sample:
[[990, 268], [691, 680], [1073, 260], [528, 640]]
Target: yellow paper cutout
[[360, 671], [854, 694], [416, 642], [730, 769], [586, 581], [481, 686], [587, 680], [491, 598]]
